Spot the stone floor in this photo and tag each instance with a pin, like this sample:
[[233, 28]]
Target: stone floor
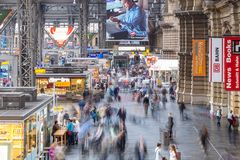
[[223, 145]]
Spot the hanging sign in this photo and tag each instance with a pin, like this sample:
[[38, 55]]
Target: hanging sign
[[199, 57], [231, 63], [215, 60], [60, 34]]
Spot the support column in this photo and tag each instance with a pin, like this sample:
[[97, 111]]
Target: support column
[[26, 25], [181, 77], [40, 27], [101, 24], [199, 90], [83, 26]]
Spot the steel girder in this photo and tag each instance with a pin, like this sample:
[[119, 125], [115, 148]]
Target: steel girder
[[83, 27], [102, 24], [28, 41]]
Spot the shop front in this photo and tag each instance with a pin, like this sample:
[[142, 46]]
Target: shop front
[[63, 84], [24, 133]]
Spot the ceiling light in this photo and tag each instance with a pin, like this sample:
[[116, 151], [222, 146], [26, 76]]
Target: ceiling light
[[74, 1]]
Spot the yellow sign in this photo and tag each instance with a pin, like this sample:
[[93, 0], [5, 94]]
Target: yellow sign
[[58, 108], [13, 133], [96, 73], [5, 63], [62, 84], [40, 71], [199, 57]]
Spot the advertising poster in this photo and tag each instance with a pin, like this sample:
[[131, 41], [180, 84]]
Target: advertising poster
[[199, 57], [231, 63], [215, 60], [127, 20], [3, 14]]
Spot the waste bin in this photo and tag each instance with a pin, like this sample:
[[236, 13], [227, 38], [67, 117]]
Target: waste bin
[[164, 135]]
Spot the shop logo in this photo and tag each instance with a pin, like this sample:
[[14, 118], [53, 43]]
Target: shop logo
[[236, 46], [216, 68]]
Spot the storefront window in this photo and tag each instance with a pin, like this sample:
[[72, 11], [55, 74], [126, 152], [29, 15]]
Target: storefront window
[[30, 126], [77, 85]]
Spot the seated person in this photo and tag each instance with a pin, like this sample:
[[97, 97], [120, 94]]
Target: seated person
[[133, 22]]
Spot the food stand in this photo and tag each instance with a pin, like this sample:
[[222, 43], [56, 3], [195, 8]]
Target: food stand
[[24, 133], [63, 84]]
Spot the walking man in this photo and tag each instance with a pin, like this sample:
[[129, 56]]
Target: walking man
[[181, 109], [230, 119], [170, 124], [219, 116]]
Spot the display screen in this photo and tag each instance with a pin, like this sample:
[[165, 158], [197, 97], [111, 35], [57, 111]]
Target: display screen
[[127, 20]]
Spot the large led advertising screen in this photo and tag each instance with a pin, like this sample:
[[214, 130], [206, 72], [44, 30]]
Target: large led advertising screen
[[127, 20]]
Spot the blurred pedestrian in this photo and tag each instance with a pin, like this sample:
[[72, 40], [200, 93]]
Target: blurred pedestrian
[[122, 114], [158, 152], [230, 119], [204, 137], [94, 114], [170, 124], [219, 116], [173, 152], [70, 129], [51, 151], [75, 130], [141, 149], [81, 104], [182, 107], [65, 118], [146, 104]]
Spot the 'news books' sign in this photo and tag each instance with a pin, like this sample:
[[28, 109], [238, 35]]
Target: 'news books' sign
[[231, 63]]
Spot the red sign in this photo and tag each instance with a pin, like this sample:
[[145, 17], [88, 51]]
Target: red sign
[[60, 34], [231, 63]]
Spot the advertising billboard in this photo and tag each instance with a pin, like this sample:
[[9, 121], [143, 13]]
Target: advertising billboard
[[3, 14], [199, 57], [127, 20], [231, 63], [215, 59]]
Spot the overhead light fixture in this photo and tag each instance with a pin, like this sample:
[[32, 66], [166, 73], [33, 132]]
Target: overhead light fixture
[[74, 1]]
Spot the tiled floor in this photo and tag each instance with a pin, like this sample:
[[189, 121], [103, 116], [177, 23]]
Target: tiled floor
[[222, 145]]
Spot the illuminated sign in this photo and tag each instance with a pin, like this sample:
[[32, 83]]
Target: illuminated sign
[[62, 84], [60, 34], [129, 48], [51, 80], [40, 71], [5, 63]]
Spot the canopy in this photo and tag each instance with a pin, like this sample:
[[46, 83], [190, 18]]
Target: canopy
[[165, 65]]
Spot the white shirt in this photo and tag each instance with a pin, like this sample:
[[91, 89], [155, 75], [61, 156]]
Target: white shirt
[[218, 113], [230, 115], [158, 152], [76, 126], [173, 156]]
